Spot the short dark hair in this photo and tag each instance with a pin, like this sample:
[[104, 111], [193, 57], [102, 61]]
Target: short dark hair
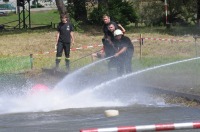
[[63, 16], [105, 15]]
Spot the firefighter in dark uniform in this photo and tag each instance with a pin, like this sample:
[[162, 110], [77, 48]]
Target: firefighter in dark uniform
[[108, 36], [124, 54], [108, 39], [64, 39]]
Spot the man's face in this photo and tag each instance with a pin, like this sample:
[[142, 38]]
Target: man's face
[[106, 19], [111, 28], [64, 20]]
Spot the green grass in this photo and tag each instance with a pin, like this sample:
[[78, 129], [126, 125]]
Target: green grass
[[41, 18], [45, 17], [34, 41], [14, 64], [146, 62]]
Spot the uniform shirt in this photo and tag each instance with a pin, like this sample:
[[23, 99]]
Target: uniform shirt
[[109, 49], [106, 30], [64, 29], [123, 42]]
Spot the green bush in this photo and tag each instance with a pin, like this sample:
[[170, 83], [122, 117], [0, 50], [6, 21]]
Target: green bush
[[76, 24], [152, 14], [119, 11], [37, 6]]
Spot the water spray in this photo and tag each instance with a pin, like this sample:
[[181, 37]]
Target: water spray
[[141, 71], [84, 56]]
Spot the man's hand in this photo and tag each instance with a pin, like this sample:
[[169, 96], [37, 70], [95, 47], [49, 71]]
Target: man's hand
[[116, 55], [72, 44]]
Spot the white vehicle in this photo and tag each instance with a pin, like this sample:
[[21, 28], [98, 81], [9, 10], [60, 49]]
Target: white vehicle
[[6, 8]]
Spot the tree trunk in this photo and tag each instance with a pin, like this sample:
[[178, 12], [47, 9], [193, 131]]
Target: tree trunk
[[61, 7], [170, 15], [80, 12], [198, 12]]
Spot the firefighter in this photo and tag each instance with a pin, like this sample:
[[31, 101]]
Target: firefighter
[[125, 52], [64, 40], [108, 35], [109, 48]]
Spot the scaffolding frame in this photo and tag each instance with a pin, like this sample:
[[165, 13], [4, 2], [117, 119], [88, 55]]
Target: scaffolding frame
[[24, 15]]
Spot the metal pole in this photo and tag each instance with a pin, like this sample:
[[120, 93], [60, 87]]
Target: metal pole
[[31, 60], [141, 42], [19, 13], [29, 13], [195, 38], [145, 128], [24, 18], [196, 64], [166, 12]]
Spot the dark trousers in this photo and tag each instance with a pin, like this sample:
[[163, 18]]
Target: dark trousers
[[121, 64], [109, 50], [128, 60], [60, 47], [124, 62]]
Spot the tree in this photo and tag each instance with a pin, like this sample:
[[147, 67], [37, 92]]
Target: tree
[[61, 7], [119, 11], [198, 11], [152, 13], [80, 12], [103, 3]]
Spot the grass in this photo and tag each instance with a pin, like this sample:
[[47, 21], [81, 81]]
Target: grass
[[37, 18], [37, 42], [13, 64]]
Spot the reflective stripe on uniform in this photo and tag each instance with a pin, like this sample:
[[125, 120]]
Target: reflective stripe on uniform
[[59, 58]]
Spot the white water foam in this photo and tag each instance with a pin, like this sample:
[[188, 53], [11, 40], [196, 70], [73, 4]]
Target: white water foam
[[99, 96], [50, 100]]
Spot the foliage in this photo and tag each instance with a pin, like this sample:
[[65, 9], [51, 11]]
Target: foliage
[[71, 13], [182, 11], [35, 4], [76, 24], [38, 5], [152, 13], [96, 15], [119, 11]]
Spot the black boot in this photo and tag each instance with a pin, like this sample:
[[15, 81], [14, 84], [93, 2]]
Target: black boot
[[67, 65], [55, 69]]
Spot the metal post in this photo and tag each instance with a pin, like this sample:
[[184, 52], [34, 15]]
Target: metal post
[[196, 54], [145, 128], [141, 43], [31, 60], [24, 18], [29, 13], [166, 12], [195, 38], [18, 11]]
